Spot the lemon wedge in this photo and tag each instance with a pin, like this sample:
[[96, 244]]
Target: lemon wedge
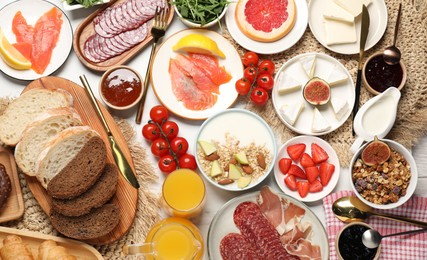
[[11, 55], [198, 43]]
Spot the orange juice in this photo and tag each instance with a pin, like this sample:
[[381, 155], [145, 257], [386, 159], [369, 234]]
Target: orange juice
[[184, 193]]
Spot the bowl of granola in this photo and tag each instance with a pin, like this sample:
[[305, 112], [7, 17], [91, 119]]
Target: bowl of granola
[[383, 174], [235, 149]]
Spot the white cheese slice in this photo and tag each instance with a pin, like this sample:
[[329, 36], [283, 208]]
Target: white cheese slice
[[291, 111], [320, 124], [335, 12], [287, 83], [308, 64], [339, 32], [340, 106], [336, 76], [353, 6]]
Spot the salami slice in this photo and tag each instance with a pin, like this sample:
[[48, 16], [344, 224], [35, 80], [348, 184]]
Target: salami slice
[[87, 52], [111, 14], [234, 247], [136, 36]]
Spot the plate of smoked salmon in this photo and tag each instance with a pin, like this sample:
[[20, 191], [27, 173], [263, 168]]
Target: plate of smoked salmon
[[41, 32], [193, 85]]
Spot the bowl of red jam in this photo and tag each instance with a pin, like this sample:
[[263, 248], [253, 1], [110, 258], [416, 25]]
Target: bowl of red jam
[[349, 243], [378, 76], [121, 87]]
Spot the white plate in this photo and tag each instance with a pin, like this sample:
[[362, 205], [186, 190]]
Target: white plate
[[222, 224], [32, 10], [324, 64], [68, 7], [161, 80], [378, 23], [333, 159], [269, 47], [246, 127]]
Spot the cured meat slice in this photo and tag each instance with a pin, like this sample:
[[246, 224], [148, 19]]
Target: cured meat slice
[[210, 66], [89, 53], [129, 10], [111, 15], [304, 250], [136, 36], [235, 247]]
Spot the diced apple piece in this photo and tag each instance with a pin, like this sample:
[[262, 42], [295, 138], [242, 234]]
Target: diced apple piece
[[234, 172], [207, 147], [241, 158], [244, 181], [216, 169]]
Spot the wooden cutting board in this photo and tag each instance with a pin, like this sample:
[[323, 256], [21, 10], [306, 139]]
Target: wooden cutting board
[[126, 197]]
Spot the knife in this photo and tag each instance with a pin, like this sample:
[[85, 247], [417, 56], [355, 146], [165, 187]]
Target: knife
[[363, 36], [120, 159]]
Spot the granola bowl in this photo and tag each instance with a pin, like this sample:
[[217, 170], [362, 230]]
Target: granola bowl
[[388, 185], [235, 149]]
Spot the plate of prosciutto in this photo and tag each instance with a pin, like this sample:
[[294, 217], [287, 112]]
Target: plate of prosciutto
[[290, 228]]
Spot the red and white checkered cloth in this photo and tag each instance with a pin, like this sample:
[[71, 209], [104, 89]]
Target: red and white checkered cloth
[[406, 247]]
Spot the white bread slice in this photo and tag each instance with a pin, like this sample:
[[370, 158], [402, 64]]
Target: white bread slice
[[24, 109], [39, 132]]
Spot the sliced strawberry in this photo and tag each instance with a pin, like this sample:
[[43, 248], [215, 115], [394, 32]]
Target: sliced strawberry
[[295, 151], [325, 172], [315, 186], [285, 164], [312, 173], [306, 160], [291, 182], [303, 188], [297, 171], [318, 154]]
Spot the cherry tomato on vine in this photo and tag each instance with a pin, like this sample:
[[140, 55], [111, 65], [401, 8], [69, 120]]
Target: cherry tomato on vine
[[187, 161], [159, 147], [259, 96], [150, 131], [250, 59], [159, 114], [167, 163], [170, 129], [243, 86], [266, 66], [250, 74], [265, 81], [179, 146]]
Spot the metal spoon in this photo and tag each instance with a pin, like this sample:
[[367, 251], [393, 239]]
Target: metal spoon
[[372, 238], [391, 54], [351, 209]]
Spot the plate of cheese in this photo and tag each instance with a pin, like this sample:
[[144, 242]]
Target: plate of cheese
[[336, 23], [295, 111]]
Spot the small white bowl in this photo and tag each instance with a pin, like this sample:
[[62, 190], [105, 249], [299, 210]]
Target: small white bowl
[[198, 25], [412, 183]]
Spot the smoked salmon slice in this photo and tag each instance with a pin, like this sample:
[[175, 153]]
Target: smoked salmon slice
[[24, 48], [23, 32], [210, 66]]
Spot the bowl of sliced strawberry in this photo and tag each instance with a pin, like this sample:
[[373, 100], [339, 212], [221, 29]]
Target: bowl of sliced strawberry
[[307, 168]]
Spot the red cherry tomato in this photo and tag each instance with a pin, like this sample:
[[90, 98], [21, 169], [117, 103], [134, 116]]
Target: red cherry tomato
[[243, 86], [167, 164], [159, 114], [266, 66], [250, 74], [170, 129], [259, 96], [150, 131], [250, 59], [265, 81], [159, 147], [179, 146], [187, 161]]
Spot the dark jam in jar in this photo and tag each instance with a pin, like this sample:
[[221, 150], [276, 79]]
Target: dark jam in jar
[[351, 246], [121, 87], [382, 76]]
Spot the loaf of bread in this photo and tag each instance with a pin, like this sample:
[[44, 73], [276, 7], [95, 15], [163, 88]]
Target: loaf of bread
[[101, 192], [5, 185], [39, 132], [71, 162], [97, 223], [15, 249], [50, 250], [24, 109]]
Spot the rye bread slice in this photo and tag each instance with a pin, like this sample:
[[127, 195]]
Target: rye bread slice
[[97, 223], [101, 192]]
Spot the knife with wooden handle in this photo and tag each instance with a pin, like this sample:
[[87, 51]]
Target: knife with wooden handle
[[363, 36]]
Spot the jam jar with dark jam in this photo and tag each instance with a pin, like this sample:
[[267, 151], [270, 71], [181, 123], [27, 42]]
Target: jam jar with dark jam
[[350, 244]]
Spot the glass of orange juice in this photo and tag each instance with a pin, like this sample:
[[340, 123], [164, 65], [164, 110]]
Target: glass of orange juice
[[170, 239], [184, 193]]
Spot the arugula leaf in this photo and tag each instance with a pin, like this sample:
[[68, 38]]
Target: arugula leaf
[[200, 11], [85, 3]]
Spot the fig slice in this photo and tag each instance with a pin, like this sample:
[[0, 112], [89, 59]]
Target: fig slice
[[375, 153], [317, 91]]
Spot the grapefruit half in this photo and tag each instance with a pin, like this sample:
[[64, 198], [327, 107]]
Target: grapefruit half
[[267, 20]]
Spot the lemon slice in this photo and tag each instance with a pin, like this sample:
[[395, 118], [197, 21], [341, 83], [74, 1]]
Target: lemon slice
[[198, 43], [11, 55]]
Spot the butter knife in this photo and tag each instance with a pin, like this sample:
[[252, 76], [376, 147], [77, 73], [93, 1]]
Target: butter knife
[[363, 36], [118, 155]]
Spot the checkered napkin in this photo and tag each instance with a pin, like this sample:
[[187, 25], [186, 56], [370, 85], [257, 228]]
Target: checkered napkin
[[407, 247]]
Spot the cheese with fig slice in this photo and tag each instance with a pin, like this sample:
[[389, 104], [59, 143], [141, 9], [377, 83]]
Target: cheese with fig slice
[[291, 111], [320, 123]]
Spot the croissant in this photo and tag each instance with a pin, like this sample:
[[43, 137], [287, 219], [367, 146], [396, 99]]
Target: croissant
[[49, 250], [14, 249]]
